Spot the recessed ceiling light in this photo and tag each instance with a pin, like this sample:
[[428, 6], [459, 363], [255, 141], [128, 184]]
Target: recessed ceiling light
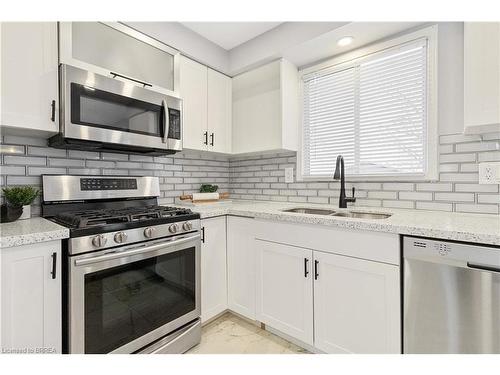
[[345, 41]]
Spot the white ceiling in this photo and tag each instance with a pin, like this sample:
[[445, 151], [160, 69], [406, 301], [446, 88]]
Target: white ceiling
[[230, 34]]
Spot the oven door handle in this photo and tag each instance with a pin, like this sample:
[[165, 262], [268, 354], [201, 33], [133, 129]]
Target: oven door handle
[[166, 120], [127, 253]]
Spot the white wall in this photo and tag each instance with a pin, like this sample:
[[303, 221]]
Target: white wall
[[187, 41]]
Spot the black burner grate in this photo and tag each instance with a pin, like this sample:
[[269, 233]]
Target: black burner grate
[[93, 218]]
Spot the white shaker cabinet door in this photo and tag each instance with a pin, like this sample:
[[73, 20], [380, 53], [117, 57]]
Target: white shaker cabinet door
[[29, 83], [219, 112], [193, 91], [285, 289], [31, 297], [213, 268], [356, 305], [241, 256]]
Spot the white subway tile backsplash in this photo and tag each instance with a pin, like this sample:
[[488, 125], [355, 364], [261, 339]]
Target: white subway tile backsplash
[[261, 177], [434, 186], [477, 146], [454, 197], [434, 206], [459, 177], [488, 198], [398, 186], [477, 208], [489, 156], [11, 149], [476, 188], [24, 160], [398, 204], [415, 196], [382, 195], [457, 158]]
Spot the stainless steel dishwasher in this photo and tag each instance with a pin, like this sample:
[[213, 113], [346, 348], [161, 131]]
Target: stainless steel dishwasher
[[451, 297]]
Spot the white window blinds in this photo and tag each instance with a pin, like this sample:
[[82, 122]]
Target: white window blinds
[[372, 111]]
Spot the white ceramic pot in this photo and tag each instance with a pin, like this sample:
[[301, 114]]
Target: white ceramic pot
[[26, 212]]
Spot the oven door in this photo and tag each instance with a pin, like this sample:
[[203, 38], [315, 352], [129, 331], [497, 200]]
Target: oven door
[[123, 300], [115, 112]]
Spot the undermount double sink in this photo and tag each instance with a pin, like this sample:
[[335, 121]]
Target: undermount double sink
[[350, 214]]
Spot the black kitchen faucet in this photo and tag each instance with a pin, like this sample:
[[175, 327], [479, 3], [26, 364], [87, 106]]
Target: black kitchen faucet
[[340, 174]]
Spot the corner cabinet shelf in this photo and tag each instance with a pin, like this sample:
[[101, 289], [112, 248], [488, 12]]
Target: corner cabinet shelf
[[481, 77], [265, 109]]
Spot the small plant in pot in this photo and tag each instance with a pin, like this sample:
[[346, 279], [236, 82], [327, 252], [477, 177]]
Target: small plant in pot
[[18, 203]]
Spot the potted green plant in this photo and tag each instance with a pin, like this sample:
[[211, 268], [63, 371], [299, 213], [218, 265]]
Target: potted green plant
[[18, 203]]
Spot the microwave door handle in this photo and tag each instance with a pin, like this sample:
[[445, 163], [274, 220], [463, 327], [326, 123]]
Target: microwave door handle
[[166, 121]]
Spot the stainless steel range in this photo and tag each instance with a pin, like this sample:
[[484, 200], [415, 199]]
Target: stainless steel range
[[131, 267]]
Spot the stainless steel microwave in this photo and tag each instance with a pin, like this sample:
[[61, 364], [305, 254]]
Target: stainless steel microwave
[[102, 113]]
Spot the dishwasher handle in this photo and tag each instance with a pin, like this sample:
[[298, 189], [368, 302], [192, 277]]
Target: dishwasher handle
[[483, 267]]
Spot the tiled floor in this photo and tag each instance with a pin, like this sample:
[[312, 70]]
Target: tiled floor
[[230, 334]]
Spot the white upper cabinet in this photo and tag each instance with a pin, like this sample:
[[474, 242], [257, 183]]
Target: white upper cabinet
[[113, 49], [265, 109], [31, 297], [193, 91], [219, 112], [29, 84], [481, 77], [206, 98]]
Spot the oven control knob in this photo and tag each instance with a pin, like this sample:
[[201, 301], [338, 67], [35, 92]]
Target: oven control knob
[[148, 232], [173, 228], [187, 225], [120, 237], [99, 240]]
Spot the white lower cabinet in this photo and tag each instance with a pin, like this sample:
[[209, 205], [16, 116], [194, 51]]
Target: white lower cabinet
[[213, 267], [285, 289], [356, 305], [344, 299], [31, 298], [241, 257]]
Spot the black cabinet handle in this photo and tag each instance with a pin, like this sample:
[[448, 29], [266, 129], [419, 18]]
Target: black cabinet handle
[[205, 134], [54, 265], [316, 274], [53, 111], [212, 139], [306, 272], [203, 234]]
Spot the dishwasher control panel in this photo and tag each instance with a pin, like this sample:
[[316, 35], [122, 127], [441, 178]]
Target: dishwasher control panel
[[458, 252]]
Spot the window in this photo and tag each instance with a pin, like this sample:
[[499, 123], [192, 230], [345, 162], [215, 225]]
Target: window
[[373, 110]]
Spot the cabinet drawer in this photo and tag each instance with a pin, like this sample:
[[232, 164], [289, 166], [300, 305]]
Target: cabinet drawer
[[376, 246]]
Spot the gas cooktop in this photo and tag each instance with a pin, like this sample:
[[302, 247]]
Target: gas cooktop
[[103, 217]]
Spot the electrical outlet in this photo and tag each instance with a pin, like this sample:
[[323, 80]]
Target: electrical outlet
[[289, 175], [489, 173]]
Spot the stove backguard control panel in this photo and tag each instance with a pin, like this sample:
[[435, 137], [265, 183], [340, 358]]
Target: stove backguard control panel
[[108, 184]]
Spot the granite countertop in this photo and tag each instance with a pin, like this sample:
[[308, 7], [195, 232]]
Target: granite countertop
[[29, 231], [477, 228]]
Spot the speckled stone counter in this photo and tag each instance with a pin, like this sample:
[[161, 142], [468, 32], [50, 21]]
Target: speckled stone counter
[[476, 228], [25, 232]]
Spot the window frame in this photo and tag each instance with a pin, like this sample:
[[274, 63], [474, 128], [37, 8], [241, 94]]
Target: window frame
[[348, 59]]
